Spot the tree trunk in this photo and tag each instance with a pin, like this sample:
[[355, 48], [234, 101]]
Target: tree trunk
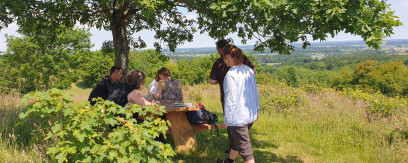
[[120, 44]]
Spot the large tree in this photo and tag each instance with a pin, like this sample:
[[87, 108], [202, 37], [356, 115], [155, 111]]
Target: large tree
[[273, 23]]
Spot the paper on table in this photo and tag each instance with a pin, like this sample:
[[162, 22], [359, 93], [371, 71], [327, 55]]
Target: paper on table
[[183, 105]]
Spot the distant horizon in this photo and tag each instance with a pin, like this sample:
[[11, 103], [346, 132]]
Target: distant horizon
[[322, 42]]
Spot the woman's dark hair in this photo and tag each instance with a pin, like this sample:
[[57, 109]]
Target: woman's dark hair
[[157, 78], [234, 52], [134, 78], [165, 72]]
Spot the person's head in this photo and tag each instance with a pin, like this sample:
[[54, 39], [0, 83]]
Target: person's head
[[134, 78], [115, 73], [232, 55], [165, 73], [220, 44]]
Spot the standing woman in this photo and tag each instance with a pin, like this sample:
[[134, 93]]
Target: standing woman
[[241, 104], [168, 88]]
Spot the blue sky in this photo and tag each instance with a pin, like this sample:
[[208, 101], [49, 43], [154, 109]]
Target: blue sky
[[202, 40]]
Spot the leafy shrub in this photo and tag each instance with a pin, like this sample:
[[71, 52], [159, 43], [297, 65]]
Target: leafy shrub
[[280, 97], [82, 132], [95, 67], [379, 103], [312, 87], [289, 99], [388, 78]]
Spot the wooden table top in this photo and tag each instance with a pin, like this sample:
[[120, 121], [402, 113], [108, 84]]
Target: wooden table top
[[170, 108]]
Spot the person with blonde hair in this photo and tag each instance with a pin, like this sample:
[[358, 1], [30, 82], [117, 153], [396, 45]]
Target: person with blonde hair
[[241, 105]]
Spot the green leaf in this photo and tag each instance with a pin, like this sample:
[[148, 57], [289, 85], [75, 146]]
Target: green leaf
[[81, 137], [85, 126]]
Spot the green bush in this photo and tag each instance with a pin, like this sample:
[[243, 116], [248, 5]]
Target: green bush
[[379, 103], [81, 132], [95, 67]]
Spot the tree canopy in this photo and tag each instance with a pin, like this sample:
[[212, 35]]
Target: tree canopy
[[37, 64], [273, 23]]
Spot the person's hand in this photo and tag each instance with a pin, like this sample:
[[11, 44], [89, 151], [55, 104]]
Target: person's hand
[[212, 82], [155, 102], [224, 126]]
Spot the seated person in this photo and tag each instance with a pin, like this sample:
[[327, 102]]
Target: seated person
[[152, 89], [128, 90], [105, 85], [168, 88]]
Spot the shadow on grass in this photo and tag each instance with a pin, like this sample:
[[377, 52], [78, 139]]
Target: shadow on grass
[[211, 146], [83, 85]]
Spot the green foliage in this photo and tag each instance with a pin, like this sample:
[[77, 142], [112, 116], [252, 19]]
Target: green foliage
[[95, 66], [193, 71], [289, 99], [379, 103], [39, 64], [275, 24], [81, 133], [147, 61], [281, 98], [388, 78], [297, 76]]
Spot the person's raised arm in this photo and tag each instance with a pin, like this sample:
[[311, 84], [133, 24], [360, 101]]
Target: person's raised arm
[[159, 89]]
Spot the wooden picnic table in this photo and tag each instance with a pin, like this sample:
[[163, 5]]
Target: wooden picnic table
[[182, 132]]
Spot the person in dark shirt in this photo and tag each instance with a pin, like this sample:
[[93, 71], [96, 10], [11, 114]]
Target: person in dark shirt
[[220, 69], [105, 85], [119, 93]]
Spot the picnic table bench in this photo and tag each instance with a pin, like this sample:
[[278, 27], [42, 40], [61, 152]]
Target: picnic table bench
[[183, 133]]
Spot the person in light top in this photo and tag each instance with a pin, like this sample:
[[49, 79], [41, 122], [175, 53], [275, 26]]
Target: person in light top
[[152, 89], [241, 106]]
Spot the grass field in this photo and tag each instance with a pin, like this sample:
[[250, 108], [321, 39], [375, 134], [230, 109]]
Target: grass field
[[294, 126]]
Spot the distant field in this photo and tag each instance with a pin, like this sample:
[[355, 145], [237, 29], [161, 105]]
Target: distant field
[[273, 64]]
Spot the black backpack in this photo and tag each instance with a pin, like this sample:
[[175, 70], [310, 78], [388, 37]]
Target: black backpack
[[202, 116]]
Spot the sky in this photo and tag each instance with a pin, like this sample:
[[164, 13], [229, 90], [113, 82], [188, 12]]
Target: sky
[[202, 40]]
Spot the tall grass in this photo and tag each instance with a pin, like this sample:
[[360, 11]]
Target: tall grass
[[295, 125], [15, 140]]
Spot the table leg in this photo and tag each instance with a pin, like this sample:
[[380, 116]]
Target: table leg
[[182, 132]]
